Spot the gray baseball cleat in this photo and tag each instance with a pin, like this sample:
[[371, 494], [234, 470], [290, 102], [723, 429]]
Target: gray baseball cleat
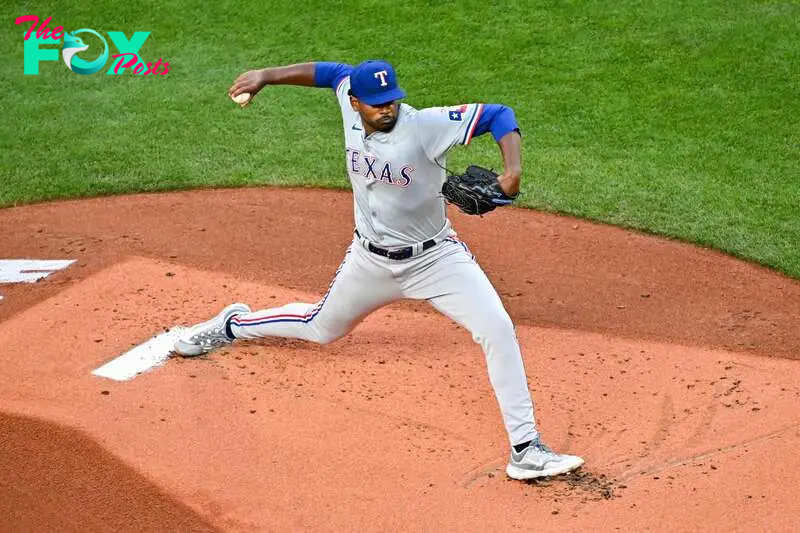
[[537, 460], [210, 335]]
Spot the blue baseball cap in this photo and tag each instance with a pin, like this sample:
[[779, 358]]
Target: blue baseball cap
[[374, 82]]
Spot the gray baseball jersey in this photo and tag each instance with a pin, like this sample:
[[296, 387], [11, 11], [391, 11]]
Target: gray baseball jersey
[[397, 179], [397, 176]]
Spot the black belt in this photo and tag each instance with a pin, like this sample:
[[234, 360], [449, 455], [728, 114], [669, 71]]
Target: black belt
[[399, 253]]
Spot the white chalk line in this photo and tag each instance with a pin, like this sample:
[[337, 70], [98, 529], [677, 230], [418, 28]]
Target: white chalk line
[[30, 270], [142, 358]]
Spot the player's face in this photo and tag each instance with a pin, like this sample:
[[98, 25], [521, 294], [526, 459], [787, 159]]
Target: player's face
[[378, 117]]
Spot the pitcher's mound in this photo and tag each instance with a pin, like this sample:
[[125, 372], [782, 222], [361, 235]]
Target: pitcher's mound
[[649, 358]]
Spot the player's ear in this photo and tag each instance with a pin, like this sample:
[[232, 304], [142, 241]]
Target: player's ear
[[354, 103]]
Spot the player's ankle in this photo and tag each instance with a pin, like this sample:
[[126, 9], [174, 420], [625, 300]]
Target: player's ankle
[[228, 330], [522, 446]]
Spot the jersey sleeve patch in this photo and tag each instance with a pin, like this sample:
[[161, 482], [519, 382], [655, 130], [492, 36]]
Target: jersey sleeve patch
[[457, 114]]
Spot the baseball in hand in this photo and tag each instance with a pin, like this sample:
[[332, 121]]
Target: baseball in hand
[[241, 99]]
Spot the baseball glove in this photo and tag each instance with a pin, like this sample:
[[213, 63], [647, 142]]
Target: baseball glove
[[476, 191]]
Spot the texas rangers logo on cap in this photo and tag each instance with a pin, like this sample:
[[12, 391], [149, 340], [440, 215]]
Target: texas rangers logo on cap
[[374, 82]]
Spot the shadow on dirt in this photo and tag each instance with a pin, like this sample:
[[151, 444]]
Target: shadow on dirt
[[55, 478]]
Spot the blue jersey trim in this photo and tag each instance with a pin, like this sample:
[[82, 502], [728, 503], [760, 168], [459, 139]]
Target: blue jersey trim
[[498, 119], [476, 114], [327, 74]]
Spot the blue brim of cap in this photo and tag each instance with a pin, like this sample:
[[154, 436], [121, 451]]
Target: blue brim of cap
[[382, 98]]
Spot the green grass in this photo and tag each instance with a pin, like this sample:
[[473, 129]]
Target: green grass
[[678, 118]]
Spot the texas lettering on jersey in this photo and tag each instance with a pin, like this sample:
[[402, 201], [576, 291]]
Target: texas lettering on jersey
[[374, 170]]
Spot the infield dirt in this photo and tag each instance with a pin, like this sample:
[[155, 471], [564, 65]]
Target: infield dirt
[[671, 369]]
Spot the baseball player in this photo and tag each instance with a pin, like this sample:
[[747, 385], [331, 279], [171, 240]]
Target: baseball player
[[403, 244]]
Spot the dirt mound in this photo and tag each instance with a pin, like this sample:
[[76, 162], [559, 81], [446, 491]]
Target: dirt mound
[[645, 356]]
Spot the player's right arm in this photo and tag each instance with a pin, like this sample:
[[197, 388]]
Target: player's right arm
[[317, 74]]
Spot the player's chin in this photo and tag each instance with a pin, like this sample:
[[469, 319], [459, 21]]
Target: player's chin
[[386, 125]]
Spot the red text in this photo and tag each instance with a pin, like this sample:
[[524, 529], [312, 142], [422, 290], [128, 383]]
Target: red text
[[151, 69], [43, 32]]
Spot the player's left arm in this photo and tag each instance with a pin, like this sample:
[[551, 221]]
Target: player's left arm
[[500, 121], [441, 128]]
